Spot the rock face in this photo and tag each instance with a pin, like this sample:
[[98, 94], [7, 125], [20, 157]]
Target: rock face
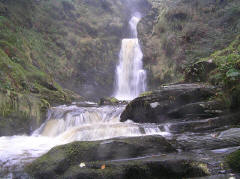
[[173, 101], [20, 113], [177, 33]]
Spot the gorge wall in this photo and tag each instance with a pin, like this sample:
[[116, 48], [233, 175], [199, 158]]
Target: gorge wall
[[177, 33]]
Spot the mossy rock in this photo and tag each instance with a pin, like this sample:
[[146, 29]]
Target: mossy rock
[[20, 113], [59, 159], [233, 161], [110, 101], [147, 93]]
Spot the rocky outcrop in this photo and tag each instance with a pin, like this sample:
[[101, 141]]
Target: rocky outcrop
[[23, 113], [20, 113], [172, 101], [175, 34]]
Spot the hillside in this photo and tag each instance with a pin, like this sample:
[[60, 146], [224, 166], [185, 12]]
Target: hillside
[[178, 33], [50, 50]]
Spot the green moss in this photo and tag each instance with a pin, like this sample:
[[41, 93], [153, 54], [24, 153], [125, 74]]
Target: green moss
[[233, 161], [147, 93], [113, 100], [20, 112]]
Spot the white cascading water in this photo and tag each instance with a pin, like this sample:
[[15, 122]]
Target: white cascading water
[[130, 75], [65, 124]]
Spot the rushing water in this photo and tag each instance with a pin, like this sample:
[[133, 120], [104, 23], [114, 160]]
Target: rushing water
[[130, 75], [66, 124]]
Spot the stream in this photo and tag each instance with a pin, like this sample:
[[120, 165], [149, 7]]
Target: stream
[[66, 124]]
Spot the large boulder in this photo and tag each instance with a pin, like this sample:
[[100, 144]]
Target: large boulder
[[139, 169], [158, 105], [61, 158]]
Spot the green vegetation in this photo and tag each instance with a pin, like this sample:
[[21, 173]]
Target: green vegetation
[[225, 74], [178, 33], [233, 161], [146, 93]]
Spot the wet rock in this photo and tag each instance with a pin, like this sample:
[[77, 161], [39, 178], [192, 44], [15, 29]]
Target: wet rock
[[61, 158], [20, 113], [200, 109], [210, 141], [210, 124], [110, 101], [138, 169], [155, 106]]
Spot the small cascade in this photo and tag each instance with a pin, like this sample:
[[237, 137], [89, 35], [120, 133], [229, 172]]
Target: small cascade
[[130, 75], [91, 123], [66, 124]]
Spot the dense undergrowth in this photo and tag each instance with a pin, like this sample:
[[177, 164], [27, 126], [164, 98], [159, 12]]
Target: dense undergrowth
[[225, 73]]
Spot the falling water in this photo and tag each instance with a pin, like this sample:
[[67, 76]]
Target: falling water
[[130, 75], [65, 124]]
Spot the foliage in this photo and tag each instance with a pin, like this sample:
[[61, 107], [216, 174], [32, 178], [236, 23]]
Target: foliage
[[226, 74]]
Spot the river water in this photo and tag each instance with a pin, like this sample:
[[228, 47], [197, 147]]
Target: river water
[[65, 124]]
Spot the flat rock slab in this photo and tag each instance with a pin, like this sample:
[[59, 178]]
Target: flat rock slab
[[138, 169], [60, 158], [210, 141]]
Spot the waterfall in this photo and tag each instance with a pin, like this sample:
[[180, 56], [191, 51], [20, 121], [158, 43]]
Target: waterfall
[[130, 75]]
